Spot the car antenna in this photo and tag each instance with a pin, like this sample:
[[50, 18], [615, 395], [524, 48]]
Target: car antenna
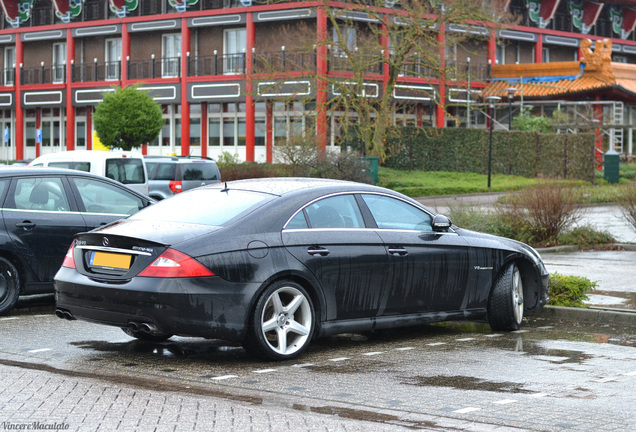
[[225, 189]]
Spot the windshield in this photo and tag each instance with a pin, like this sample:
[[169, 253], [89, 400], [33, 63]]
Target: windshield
[[205, 206]]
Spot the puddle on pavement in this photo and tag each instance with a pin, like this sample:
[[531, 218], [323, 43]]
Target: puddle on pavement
[[466, 383], [347, 368], [354, 414], [176, 350], [615, 299]]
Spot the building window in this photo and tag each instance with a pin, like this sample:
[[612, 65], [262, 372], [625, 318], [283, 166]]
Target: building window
[[234, 46], [112, 58], [9, 66], [59, 62], [619, 59], [500, 54], [349, 41], [170, 55], [545, 55]]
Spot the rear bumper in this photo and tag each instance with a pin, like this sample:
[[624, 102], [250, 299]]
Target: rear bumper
[[203, 307]]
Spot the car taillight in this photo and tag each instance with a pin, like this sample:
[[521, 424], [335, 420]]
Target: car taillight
[[69, 259], [172, 263], [175, 186]]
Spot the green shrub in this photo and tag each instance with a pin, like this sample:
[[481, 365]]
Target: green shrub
[[585, 237], [569, 291]]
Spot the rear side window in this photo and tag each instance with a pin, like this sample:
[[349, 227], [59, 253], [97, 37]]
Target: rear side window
[[161, 171], [101, 197], [126, 170], [78, 166], [199, 171]]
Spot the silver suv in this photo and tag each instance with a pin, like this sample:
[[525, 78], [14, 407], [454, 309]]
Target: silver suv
[[169, 175]]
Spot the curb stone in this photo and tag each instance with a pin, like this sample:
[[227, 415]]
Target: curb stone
[[600, 316]]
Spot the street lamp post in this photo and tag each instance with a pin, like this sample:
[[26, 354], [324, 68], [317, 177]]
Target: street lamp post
[[491, 103], [511, 91]]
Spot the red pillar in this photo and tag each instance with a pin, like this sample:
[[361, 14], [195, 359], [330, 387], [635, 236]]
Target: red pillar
[[125, 54], [440, 112], [204, 129], [492, 48], [269, 130], [38, 125], [185, 106], [70, 109], [19, 110], [538, 49], [250, 133], [321, 84], [89, 128]]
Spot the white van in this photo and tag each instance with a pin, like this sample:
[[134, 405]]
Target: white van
[[125, 167]]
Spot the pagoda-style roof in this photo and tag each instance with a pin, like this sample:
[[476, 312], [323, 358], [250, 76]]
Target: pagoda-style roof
[[594, 72]]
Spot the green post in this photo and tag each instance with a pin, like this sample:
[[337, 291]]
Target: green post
[[374, 166], [610, 166]]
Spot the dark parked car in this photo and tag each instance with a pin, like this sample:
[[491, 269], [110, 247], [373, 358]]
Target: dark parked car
[[169, 175], [42, 209], [273, 263]]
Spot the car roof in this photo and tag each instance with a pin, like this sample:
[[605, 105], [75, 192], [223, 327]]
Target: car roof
[[9, 171], [288, 185], [85, 155], [177, 159]]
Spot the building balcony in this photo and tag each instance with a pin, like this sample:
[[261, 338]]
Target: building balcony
[[272, 63]]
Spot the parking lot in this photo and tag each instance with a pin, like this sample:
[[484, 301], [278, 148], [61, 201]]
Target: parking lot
[[551, 375]]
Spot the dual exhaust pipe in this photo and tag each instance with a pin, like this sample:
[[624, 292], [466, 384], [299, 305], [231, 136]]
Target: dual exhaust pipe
[[132, 325], [61, 313], [142, 327]]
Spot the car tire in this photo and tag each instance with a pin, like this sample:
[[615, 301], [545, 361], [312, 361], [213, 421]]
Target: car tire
[[505, 305], [283, 322], [9, 286], [150, 337]]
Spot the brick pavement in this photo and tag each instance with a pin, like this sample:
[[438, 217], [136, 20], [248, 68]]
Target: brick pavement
[[36, 399]]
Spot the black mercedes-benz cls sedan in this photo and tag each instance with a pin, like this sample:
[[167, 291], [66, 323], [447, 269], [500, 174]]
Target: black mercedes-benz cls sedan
[[273, 263]]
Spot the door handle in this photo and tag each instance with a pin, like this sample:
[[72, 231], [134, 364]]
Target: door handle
[[398, 251], [26, 225], [318, 251]]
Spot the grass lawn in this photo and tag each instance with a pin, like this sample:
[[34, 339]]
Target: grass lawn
[[435, 183]]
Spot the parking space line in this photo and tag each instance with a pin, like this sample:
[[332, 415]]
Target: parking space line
[[302, 365], [224, 377], [404, 348], [494, 335], [436, 343], [466, 410], [339, 359], [373, 353], [539, 395], [39, 350], [262, 371], [504, 402], [604, 380], [465, 339], [9, 318]]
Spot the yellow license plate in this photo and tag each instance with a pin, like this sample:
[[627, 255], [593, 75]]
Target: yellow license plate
[[112, 260]]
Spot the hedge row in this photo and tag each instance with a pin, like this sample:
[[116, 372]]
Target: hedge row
[[527, 154]]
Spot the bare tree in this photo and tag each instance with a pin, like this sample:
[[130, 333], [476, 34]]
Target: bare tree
[[371, 46]]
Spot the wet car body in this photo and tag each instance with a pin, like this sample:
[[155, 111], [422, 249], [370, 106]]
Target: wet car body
[[352, 278], [41, 210]]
